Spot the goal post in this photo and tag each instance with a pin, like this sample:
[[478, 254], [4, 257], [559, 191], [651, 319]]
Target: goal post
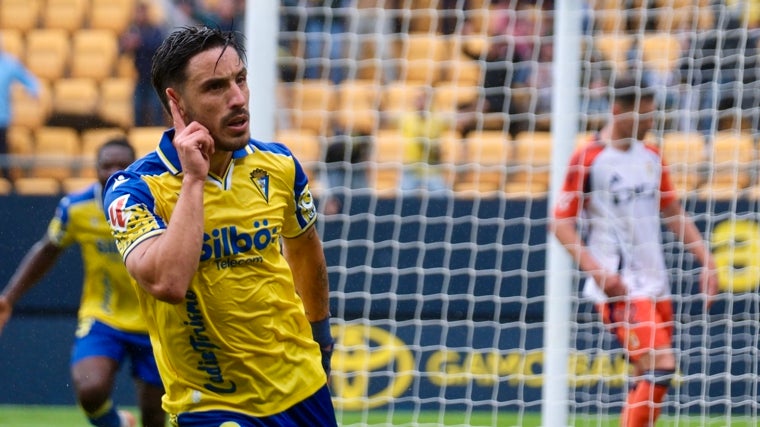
[[566, 78]]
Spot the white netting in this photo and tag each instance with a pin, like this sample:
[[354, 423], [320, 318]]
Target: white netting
[[440, 292]]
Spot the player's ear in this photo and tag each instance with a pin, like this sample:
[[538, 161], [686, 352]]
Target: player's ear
[[173, 95]]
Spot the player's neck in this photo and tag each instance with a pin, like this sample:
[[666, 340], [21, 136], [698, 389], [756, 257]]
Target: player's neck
[[616, 139], [220, 161]]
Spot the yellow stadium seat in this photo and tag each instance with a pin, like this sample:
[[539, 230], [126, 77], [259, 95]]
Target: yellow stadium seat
[[76, 183], [608, 16], [424, 17], [78, 96], [20, 15], [145, 138], [21, 147], [6, 186], [423, 57], [30, 111], [463, 71], [358, 107], [615, 48], [47, 52], [91, 140], [12, 43], [33, 186], [661, 52], [306, 146], [485, 164], [117, 101], [113, 15], [312, 104], [388, 161], [530, 167], [64, 14], [731, 161], [449, 97], [56, 152], [93, 54], [398, 99], [684, 155]]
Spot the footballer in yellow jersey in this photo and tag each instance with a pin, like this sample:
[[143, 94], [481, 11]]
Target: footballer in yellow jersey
[[111, 327], [217, 230], [107, 292]]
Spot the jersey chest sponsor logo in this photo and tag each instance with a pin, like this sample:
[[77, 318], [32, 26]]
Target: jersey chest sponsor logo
[[622, 192], [229, 241]]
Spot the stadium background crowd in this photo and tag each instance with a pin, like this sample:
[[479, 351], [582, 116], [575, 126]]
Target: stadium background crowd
[[349, 70]]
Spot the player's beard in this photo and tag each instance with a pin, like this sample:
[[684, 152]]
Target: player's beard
[[225, 139]]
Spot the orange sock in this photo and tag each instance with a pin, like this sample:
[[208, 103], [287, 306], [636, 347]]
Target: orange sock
[[642, 407]]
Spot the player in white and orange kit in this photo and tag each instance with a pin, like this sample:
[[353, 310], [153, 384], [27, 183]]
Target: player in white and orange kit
[[619, 189]]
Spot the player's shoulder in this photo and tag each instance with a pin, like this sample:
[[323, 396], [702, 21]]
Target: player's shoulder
[[87, 194], [586, 152], [652, 147], [273, 147]]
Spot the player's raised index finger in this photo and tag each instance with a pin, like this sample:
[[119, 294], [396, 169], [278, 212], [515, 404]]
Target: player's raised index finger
[[179, 122]]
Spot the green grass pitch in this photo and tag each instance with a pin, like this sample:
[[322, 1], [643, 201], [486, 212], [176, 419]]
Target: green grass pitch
[[70, 416]]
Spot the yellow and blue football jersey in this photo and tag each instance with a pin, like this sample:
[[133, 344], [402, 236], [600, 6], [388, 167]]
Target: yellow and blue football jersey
[[107, 293], [240, 341]]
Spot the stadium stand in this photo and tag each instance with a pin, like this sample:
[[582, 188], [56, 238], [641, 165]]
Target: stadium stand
[[29, 111], [68, 15], [48, 52], [55, 151], [93, 54], [113, 15], [115, 104], [12, 42], [37, 186], [75, 96], [22, 15]]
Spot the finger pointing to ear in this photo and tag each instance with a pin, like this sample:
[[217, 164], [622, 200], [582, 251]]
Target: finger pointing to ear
[[179, 122]]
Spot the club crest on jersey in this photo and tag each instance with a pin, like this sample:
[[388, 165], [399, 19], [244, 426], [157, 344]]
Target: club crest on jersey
[[260, 177]]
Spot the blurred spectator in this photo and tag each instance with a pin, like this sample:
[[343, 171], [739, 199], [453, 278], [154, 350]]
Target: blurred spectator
[[422, 130], [185, 13], [452, 13], [371, 27], [325, 25], [141, 41], [229, 15], [539, 80], [512, 32], [11, 70], [596, 74], [717, 63]]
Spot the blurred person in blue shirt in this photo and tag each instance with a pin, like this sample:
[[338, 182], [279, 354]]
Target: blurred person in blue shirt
[[11, 70]]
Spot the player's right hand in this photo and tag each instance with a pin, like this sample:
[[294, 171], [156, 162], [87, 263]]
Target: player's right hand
[[193, 142], [612, 285], [5, 312]]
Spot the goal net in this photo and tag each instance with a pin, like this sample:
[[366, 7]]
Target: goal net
[[425, 127]]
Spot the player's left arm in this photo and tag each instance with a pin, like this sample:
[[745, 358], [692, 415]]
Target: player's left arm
[[681, 224], [307, 262]]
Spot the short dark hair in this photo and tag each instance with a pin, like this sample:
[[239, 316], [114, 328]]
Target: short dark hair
[[118, 141], [629, 89], [171, 58]]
